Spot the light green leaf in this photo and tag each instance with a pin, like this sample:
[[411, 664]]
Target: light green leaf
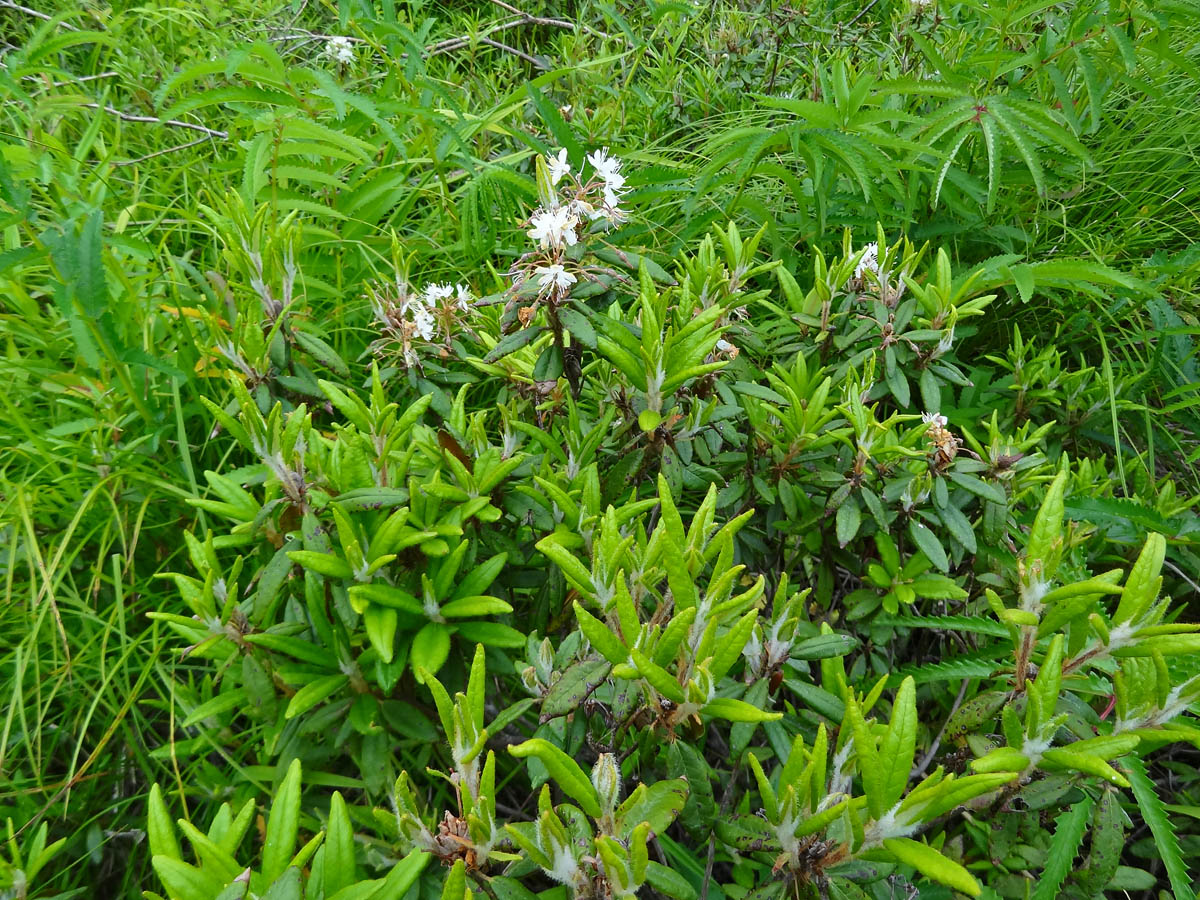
[[738, 711], [185, 882], [380, 624], [430, 647], [574, 685], [339, 848], [899, 744], [849, 517], [927, 541], [564, 770], [313, 693], [161, 829], [283, 824], [657, 804], [599, 636], [933, 865]]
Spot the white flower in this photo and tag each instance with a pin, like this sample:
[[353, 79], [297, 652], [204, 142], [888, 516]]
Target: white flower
[[558, 166], [340, 50], [934, 419], [944, 343], [554, 228], [423, 322], [609, 208], [607, 167], [581, 209], [869, 261], [919, 6], [463, 296], [554, 276], [436, 292]]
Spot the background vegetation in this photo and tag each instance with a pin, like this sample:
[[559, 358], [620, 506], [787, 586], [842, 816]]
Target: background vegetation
[[199, 201]]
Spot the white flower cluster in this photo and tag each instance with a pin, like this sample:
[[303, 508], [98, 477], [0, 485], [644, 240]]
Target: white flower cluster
[[868, 262], [886, 282], [427, 314], [554, 277], [599, 197], [556, 225], [340, 50], [554, 229], [608, 170]]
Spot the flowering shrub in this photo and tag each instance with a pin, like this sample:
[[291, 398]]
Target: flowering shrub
[[617, 534]]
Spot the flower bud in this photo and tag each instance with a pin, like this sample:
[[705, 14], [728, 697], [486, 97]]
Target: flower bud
[[701, 688], [606, 779], [529, 679], [545, 660]]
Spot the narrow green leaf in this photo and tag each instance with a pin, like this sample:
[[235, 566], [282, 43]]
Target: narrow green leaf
[[313, 693], [658, 677], [927, 541], [339, 848], [430, 647], [283, 824], [579, 327], [455, 887], [659, 805], [738, 711], [402, 876], [849, 517], [899, 745], [564, 770], [185, 882], [604, 641], [933, 865], [161, 828], [510, 343], [380, 623]]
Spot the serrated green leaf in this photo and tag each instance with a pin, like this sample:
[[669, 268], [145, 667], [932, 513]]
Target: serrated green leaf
[[1064, 847], [1165, 838]]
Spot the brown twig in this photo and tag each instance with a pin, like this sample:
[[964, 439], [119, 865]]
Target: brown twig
[[862, 12], [920, 768], [8, 4], [536, 63], [128, 117], [542, 20], [75, 80], [457, 43]]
